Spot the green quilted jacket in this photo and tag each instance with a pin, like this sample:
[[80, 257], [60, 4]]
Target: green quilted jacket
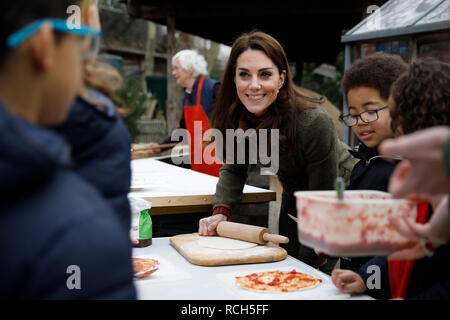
[[314, 165]]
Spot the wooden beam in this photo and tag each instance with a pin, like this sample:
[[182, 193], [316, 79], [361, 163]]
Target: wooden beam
[[151, 9], [171, 105], [200, 203]]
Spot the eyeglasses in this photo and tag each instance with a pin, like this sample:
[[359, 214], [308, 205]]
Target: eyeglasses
[[60, 25], [366, 117]]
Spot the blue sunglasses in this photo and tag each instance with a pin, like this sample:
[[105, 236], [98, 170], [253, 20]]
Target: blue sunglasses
[[57, 24]]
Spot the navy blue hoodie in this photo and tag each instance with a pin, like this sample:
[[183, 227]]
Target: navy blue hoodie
[[101, 150], [52, 220]]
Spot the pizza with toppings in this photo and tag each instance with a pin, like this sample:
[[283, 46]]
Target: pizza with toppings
[[277, 281], [144, 267]]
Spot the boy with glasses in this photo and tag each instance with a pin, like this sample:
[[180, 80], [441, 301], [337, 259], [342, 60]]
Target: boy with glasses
[[420, 99], [58, 237], [366, 85]]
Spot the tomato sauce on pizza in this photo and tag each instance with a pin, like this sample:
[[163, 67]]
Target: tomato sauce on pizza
[[277, 281], [144, 267]]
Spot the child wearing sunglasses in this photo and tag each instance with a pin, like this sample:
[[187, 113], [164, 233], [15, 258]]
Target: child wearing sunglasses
[[58, 237], [366, 85]]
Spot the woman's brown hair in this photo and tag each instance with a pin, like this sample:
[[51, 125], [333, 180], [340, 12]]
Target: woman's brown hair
[[421, 96], [282, 114]]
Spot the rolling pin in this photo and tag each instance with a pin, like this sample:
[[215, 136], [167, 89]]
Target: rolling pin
[[248, 233], [144, 147]]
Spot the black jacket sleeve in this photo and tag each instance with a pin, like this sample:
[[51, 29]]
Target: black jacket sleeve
[[376, 277]]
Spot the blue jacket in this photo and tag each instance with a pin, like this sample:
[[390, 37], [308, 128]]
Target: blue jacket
[[51, 219], [101, 153], [370, 173]]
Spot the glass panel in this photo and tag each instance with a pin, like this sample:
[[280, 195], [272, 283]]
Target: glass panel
[[441, 13], [440, 50], [400, 47], [397, 14]]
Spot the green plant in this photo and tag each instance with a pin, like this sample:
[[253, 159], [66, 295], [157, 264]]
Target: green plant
[[135, 98], [326, 86]]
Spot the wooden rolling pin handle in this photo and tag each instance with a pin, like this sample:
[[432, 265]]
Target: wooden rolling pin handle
[[275, 238]]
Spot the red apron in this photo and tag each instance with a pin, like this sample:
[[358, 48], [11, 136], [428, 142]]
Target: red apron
[[197, 123], [400, 271]]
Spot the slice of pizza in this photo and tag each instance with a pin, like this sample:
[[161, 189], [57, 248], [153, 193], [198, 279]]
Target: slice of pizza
[[277, 281], [144, 267]]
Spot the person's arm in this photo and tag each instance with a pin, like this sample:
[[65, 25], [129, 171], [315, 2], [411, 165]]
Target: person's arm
[[228, 194], [423, 170], [436, 232], [346, 162], [230, 185]]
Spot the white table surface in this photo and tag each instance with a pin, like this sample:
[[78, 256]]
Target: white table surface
[[169, 180], [178, 279], [172, 189]]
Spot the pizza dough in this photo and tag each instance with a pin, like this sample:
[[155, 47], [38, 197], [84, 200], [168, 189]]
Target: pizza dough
[[224, 243]]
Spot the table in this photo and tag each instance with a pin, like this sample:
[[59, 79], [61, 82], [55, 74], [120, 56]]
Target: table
[[172, 189], [177, 279]]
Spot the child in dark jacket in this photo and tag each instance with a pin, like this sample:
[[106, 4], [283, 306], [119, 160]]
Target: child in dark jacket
[[420, 99], [366, 85], [99, 139], [58, 237]]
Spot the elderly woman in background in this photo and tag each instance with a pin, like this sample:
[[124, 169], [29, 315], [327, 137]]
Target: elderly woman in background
[[190, 71]]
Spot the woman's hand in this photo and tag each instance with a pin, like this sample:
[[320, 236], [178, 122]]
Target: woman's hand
[[435, 232], [207, 226], [347, 280], [154, 144], [422, 171]]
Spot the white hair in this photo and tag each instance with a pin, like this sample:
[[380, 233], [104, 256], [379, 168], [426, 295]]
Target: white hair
[[191, 59]]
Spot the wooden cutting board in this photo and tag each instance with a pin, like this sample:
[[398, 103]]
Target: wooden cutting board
[[187, 246]]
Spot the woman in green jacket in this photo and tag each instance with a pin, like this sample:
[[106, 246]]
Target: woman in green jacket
[[258, 93]]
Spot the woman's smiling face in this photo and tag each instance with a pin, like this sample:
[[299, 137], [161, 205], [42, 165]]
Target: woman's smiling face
[[257, 81]]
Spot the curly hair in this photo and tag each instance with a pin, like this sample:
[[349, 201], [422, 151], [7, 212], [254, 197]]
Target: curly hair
[[421, 97], [191, 59], [378, 71]]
